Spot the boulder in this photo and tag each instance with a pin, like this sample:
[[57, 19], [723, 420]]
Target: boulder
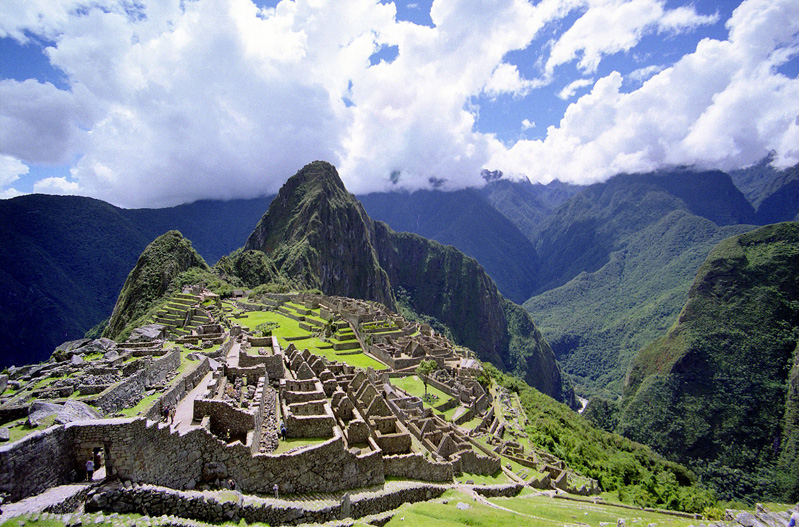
[[39, 410], [149, 332], [65, 351], [76, 411], [3, 383], [111, 355], [77, 360], [5, 435], [748, 520]]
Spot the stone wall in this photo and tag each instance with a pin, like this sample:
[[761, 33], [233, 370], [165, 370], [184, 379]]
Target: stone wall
[[416, 466], [37, 462], [179, 389], [227, 506], [474, 463], [140, 451], [130, 391], [272, 363], [224, 416], [500, 491]]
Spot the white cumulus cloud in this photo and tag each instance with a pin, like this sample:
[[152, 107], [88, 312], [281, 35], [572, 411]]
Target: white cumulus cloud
[[723, 106]]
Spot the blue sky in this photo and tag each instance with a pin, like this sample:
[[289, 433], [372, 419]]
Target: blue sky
[[158, 103]]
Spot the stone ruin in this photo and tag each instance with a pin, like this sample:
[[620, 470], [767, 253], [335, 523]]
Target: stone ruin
[[357, 426]]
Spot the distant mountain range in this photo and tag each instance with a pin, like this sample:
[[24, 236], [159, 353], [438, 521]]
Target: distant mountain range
[[66, 258]]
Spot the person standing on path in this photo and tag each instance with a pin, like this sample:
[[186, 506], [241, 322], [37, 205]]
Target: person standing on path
[[89, 469]]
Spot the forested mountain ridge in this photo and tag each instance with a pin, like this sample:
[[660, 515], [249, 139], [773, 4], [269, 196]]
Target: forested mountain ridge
[[67, 257], [719, 391]]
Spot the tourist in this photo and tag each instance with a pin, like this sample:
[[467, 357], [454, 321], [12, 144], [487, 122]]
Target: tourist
[[165, 413], [282, 430], [275, 487], [172, 413], [794, 517], [89, 469]]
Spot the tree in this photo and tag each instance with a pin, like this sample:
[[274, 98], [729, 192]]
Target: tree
[[425, 368]]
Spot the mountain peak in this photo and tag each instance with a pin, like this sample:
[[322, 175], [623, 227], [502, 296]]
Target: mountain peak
[[319, 233]]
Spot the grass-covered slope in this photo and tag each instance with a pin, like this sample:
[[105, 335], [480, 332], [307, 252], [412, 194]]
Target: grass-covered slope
[[159, 265], [463, 219], [714, 392], [598, 321], [633, 471]]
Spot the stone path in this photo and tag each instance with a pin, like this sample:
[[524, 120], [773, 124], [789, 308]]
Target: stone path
[[184, 413], [233, 355], [50, 497]]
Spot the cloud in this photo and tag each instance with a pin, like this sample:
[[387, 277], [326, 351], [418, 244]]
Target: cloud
[[56, 185], [570, 89], [506, 79], [723, 106], [527, 124], [613, 26], [174, 101], [10, 170], [642, 74]]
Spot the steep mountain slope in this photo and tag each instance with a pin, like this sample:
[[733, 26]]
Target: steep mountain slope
[[526, 204], [714, 392], [161, 262], [463, 219], [316, 232], [598, 321], [319, 234], [63, 262]]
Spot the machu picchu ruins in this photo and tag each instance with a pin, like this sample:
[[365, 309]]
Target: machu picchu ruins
[[278, 395]]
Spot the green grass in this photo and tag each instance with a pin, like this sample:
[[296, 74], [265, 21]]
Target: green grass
[[500, 478], [414, 386], [472, 423], [142, 406], [287, 444], [21, 429], [567, 511]]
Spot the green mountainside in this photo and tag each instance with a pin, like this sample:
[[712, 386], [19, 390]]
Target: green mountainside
[[584, 231], [466, 220], [63, 262], [719, 391], [527, 204], [624, 253], [319, 235], [156, 269], [598, 321]]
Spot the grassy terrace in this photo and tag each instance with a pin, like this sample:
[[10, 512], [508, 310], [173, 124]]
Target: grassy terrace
[[414, 386], [290, 329]]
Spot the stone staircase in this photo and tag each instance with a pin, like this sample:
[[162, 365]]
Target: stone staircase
[[180, 316]]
